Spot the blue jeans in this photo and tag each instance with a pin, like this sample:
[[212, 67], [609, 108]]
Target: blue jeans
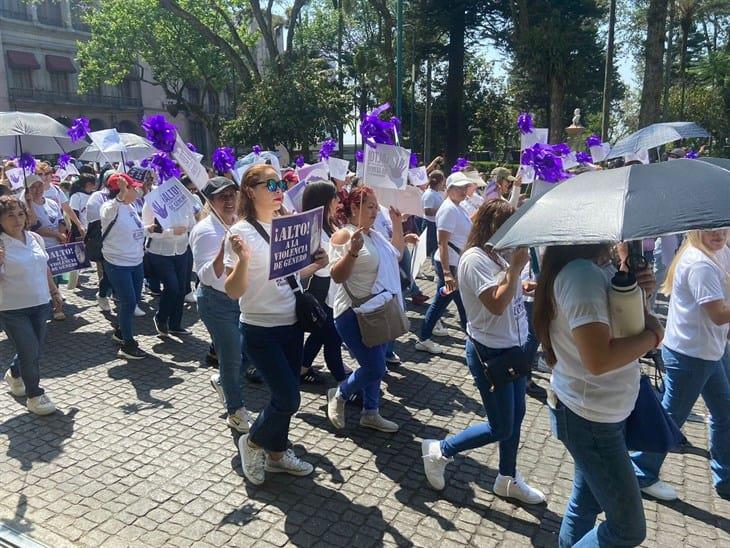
[[431, 238], [440, 302], [220, 315], [505, 410], [26, 329], [277, 354], [328, 337], [172, 273], [685, 379], [533, 343], [367, 377], [604, 481], [126, 281]]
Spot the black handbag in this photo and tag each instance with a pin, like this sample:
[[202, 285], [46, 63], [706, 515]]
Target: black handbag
[[319, 286], [506, 367], [310, 314], [94, 240]]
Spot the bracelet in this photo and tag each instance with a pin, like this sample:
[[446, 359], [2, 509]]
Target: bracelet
[[355, 256]]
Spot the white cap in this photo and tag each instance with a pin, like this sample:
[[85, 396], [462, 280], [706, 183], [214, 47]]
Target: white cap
[[458, 179]]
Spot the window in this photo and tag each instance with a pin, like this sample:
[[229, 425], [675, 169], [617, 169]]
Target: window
[[194, 95], [14, 9], [21, 78], [198, 137], [130, 88], [49, 13], [59, 82]]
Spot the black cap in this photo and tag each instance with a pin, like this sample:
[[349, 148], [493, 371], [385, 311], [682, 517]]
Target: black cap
[[216, 185]]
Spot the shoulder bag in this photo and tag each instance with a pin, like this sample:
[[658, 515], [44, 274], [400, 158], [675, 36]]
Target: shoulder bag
[[94, 239], [382, 325], [310, 314], [649, 427]]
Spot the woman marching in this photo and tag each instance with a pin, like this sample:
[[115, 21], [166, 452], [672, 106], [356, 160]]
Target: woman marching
[[365, 264], [698, 321], [491, 289], [272, 338], [26, 290]]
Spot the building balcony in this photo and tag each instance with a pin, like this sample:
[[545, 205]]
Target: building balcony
[[72, 98], [50, 20], [21, 15]]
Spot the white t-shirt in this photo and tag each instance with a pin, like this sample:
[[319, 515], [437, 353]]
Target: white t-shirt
[[431, 199], [56, 194], [78, 203], [50, 216], [581, 297], [454, 220], [94, 203], [266, 303], [364, 272], [23, 279], [205, 242], [698, 280], [124, 243], [477, 273]]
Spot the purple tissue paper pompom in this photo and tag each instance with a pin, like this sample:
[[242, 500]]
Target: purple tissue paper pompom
[[561, 149], [27, 162], [692, 154], [375, 130], [223, 159], [79, 129], [165, 166], [413, 163], [359, 156], [191, 147], [63, 160], [593, 141], [547, 163], [583, 157], [524, 122], [461, 163], [161, 133], [299, 162], [256, 149], [328, 147]]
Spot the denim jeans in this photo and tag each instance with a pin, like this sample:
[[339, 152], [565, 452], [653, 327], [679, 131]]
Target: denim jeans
[[26, 329], [685, 379], [150, 277], [276, 352], [367, 377], [604, 481], [126, 281], [431, 239], [105, 288], [328, 337], [533, 343], [505, 410], [440, 302], [172, 273], [220, 315]]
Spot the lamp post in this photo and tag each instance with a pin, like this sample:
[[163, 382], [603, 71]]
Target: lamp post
[[399, 60]]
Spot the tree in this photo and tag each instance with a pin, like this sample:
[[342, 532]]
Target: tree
[[651, 89]]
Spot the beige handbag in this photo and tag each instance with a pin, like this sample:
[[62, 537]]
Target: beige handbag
[[382, 325]]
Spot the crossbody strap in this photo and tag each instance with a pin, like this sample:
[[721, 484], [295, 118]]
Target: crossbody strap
[[111, 225], [452, 246], [291, 280]]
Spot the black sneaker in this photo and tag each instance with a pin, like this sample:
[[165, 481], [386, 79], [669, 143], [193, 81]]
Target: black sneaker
[[253, 376], [178, 331], [117, 336], [131, 351], [393, 360], [311, 377], [162, 330], [211, 359]]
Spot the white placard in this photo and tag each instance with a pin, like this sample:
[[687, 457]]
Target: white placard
[[63, 172], [293, 197], [418, 176], [538, 135], [569, 160], [338, 168], [359, 170], [190, 163], [386, 166], [15, 176], [314, 171], [108, 140], [170, 204], [599, 153], [407, 201], [419, 255], [528, 174]]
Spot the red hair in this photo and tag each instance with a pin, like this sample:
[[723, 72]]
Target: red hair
[[356, 196]]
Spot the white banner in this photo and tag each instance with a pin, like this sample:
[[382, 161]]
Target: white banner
[[338, 168], [170, 203], [386, 166], [407, 201], [190, 163], [538, 135]]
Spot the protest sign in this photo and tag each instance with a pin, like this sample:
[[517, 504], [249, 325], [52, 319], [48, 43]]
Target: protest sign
[[67, 257], [538, 135], [63, 172], [528, 174], [407, 201], [171, 204], [15, 176], [320, 170], [190, 163], [359, 170], [599, 153], [294, 240], [338, 168], [293, 196], [108, 141], [570, 160], [418, 256], [386, 166], [418, 176]]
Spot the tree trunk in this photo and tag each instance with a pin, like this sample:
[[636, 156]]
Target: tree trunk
[[683, 69], [608, 73], [557, 107], [668, 62], [455, 84], [651, 90]]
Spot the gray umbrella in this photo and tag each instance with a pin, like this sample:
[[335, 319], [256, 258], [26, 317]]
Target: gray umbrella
[[724, 163], [656, 135], [628, 203], [138, 148], [34, 133]]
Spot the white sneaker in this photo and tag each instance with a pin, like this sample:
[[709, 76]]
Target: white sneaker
[[41, 405], [377, 422], [191, 297], [138, 311], [288, 464], [516, 488], [103, 303], [252, 461], [240, 420], [439, 330], [428, 346], [660, 490], [434, 463], [335, 409], [215, 380], [17, 386]]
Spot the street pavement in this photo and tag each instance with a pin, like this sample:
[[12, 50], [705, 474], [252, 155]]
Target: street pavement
[[140, 455]]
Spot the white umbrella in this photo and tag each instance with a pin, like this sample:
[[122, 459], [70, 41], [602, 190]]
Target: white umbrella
[[137, 148], [34, 133], [656, 135]]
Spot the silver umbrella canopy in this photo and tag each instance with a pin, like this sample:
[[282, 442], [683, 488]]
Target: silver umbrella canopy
[[720, 162], [34, 133], [656, 135], [628, 203], [138, 148]]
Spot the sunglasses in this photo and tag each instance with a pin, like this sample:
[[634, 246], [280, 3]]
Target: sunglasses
[[273, 185]]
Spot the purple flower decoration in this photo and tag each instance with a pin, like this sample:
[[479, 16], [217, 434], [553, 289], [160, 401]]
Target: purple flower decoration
[[191, 147], [27, 162], [414, 160], [79, 129], [161, 133], [165, 167], [299, 162], [256, 149], [359, 156], [461, 163], [561, 149], [375, 130], [593, 141], [63, 160], [546, 162], [223, 160], [524, 122], [692, 154], [328, 147], [583, 157]]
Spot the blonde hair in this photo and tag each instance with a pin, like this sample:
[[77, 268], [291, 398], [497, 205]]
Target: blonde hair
[[42, 168], [691, 239]]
